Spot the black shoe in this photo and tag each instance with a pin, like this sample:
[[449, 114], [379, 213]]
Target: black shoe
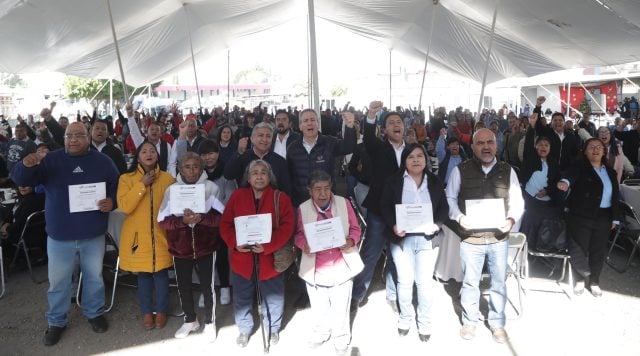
[[275, 337], [424, 338], [403, 332], [242, 340], [99, 324], [52, 335]]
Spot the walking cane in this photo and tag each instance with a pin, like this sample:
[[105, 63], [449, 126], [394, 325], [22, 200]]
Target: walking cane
[[265, 342]]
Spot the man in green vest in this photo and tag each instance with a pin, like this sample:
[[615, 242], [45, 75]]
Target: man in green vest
[[477, 191]]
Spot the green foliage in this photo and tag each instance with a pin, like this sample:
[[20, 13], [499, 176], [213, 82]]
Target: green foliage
[[77, 87], [257, 75], [339, 90], [11, 80]]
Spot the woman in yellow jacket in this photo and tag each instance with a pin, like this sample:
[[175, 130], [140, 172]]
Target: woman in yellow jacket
[[143, 245]]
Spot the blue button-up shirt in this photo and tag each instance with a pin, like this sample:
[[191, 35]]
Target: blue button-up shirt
[[607, 187]]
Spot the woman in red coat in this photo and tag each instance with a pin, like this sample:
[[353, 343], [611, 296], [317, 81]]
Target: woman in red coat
[[257, 196]]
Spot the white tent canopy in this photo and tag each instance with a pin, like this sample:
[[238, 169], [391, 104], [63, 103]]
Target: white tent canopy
[[531, 37]]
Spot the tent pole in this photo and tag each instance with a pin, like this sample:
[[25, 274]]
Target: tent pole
[[390, 75], [426, 58], [562, 101], [314, 57], [229, 81], [115, 42], [486, 65], [568, 98], [110, 96], [193, 60]]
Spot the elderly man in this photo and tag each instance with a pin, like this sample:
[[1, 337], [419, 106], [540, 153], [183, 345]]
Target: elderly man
[[188, 141], [261, 137], [73, 229], [328, 272], [19, 146], [481, 178], [285, 136], [316, 151], [99, 142]]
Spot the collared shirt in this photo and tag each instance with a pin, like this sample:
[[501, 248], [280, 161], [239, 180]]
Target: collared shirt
[[100, 146], [607, 188], [560, 135], [281, 145], [412, 194], [516, 202], [398, 151], [309, 146]]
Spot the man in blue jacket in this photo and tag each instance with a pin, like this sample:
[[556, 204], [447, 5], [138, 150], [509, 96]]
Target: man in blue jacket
[[74, 174]]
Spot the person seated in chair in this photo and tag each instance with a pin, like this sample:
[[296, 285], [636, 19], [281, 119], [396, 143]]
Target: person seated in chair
[[14, 219]]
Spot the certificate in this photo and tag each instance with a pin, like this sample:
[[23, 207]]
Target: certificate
[[485, 213], [415, 218], [85, 197], [187, 196], [253, 229], [324, 234]]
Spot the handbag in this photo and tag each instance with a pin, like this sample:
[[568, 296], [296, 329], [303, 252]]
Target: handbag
[[552, 236], [284, 256]]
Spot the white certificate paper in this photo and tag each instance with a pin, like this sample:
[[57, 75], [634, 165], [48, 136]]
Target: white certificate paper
[[414, 218], [253, 229], [324, 234], [188, 196], [85, 197], [485, 213]]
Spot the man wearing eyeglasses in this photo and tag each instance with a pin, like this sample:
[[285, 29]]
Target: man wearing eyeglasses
[[80, 185]]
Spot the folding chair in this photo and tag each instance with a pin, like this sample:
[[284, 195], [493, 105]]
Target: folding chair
[[629, 229], [1, 273], [33, 228], [361, 220], [566, 269], [632, 182], [517, 260]]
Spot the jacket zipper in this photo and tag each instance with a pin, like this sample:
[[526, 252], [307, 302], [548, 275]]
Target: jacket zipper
[[153, 235], [193, 242]]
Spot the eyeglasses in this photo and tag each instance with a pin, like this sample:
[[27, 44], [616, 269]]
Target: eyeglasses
[[595, 148], [75, 136]]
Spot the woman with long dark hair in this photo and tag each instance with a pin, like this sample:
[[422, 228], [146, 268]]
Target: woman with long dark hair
[[593, 210]]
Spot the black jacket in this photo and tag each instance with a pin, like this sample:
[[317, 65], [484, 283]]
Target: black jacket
[[322, 157], [115, 154], [392, 195], [293, 136], [586, 190], [235, 167], [360, 156], [531, 163], [564, 152], [384, 165]]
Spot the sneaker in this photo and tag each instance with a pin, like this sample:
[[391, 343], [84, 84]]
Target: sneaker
[[403, 332], [468, 332], [500, 335], [99, 324], [579, 288], [242, 340], [596, 291], [52, 335], [186, 328], [225, 295], [210, 332], [275, 338], [424, 337], [201, 301]]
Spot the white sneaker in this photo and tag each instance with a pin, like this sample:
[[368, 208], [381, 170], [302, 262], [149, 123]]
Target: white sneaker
[[201, 301], [186, 328], [225, 295], [210, 332]]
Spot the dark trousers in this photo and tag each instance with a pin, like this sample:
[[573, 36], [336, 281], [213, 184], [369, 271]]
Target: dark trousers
[[244, 291], [588, 244], [184, 268], [222, 266]]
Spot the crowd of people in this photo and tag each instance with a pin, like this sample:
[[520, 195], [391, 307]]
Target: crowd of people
[[283, 170]]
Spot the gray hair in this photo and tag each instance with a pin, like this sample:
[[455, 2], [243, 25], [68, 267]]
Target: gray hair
[[308, 110], [262, 125], [189, 156], [318, 176], [259, 162]]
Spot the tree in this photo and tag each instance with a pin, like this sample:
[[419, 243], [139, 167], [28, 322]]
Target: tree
[[11, 80], [339, 90], [78, 87], [257, 75]]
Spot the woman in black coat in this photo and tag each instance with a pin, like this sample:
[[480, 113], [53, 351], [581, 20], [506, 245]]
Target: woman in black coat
[[593, 209], [414, 253]]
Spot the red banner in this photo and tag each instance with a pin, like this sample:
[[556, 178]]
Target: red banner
[[610, 89]]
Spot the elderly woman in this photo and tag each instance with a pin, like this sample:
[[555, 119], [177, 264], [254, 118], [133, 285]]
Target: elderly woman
[[193, 241], [414, 252], [143, 245], [329, 272], [257, 196], [593, 209]]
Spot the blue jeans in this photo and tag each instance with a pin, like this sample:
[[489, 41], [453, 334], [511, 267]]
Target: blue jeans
[[61, 265], [472, 258], [272, 292], [373, 244], [146, 283], [415, 262]]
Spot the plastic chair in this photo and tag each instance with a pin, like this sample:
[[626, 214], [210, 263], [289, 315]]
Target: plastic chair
[[34, 226], [629, 229]]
